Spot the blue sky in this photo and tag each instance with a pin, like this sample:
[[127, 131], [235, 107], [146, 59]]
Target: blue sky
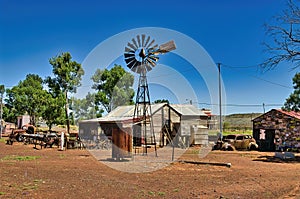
[[230, 31]]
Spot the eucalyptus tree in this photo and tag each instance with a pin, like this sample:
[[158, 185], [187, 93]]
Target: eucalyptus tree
[[85, 108], [113, 87], [293, 101], [27, 98], [67, 77]]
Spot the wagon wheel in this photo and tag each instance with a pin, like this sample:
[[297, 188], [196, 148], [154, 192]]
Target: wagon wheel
[[19, 138]]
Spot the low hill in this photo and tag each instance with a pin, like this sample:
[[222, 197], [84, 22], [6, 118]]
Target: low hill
[[241, 121]]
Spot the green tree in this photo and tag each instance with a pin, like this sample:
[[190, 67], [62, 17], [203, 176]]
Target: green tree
[[53, 112], [26, 97], [85, 108], [284, 33], [67, 77], [2, 90], [113, 87], [161, 101], [293, 101], [226, 126]]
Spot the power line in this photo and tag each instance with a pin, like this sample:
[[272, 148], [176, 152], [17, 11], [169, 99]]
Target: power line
[[240, 105], [274, 83], [251, 66], [256, 77]]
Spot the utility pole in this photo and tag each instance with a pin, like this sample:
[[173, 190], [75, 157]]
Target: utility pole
[[2, 90], [220, 100]]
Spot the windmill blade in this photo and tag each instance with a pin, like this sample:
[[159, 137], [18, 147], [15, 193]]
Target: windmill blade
[[139, 40], [131, 63], [148, 68], [153, 50], [152, 42], [131, 46], [147, 41], [139, 69], [151, 62], [128, 50], [129, 60], [167, 47], [134, 43], [129, 55], [153, 58], [135, 66], [143, 39]]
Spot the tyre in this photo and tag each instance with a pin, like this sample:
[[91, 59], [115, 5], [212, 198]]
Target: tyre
[[252, 147], [19, 138], [230, 148]]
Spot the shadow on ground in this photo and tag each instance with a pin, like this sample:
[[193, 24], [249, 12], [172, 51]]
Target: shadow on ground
[[114, 160], [268, 158]]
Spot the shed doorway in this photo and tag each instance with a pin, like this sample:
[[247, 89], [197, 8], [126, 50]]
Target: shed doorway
[[266, 140]]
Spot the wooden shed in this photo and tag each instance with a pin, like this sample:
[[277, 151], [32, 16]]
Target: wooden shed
[[275, 128]]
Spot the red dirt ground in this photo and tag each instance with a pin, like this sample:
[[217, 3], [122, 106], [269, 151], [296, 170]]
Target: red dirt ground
[[77, 174]]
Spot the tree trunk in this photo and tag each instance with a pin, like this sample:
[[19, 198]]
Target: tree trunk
[[32, 119], [66, 111]]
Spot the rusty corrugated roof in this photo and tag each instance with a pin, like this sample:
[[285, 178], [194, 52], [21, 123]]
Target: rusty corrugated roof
[[290, 113], [187, 110], [123, 113]]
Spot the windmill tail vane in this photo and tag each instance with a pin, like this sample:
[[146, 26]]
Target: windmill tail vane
[[167, 47]]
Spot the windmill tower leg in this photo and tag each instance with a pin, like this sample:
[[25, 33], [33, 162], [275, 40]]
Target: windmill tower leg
[[143, 113]]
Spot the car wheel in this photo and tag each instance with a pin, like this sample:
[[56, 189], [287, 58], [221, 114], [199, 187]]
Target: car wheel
[[230, 148], [252, 147]]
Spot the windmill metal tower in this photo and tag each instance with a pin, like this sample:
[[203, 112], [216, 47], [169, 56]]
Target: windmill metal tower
[[141, 56]]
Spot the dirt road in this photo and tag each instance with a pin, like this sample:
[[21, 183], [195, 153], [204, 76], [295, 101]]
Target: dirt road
[[48, 173]]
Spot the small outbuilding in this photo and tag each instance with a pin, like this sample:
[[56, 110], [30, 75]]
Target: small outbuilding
[[276, 128]]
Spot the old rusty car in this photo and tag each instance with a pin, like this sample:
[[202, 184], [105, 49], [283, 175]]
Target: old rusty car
[[236, 142]]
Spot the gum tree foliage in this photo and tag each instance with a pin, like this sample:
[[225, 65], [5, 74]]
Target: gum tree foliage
[[53, 112], [113, 87], [67, 77], [293, 101], [27, 97], [2, 90], [158, 101], [85, 108]]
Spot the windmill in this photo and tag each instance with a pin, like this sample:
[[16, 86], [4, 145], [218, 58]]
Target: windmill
[[141, 56]]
